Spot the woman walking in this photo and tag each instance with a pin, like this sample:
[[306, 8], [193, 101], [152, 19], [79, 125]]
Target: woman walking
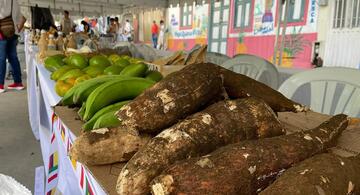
[[11, 23]]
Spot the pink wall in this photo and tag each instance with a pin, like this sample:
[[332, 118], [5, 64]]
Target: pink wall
[[263, 46], [257, 39]]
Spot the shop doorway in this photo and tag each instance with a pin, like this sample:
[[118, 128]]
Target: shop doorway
[[218, 27]]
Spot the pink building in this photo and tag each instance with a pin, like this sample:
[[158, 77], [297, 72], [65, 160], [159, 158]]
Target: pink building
[[245, 26]]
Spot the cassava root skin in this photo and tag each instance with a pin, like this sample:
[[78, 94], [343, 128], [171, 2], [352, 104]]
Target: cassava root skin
[[106, 146], [173, 98], [220, 124], [322, 174], [247, 167], [240, 86]]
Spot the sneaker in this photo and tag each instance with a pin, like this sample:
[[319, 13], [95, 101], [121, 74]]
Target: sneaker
[[2, 89], [17, 86]]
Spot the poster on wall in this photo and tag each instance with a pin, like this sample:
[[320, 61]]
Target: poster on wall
[[198, 27], [264, 17], [194, 33]]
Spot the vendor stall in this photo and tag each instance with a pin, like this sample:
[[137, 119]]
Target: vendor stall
[[154, 115]]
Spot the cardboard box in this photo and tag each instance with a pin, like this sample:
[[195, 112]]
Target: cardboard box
[[106, 175]]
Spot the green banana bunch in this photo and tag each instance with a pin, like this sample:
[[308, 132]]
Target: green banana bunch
[[68, 98], [154, 75], [82, 93], [107, 120], [114, 107], [81, 111], [114, 91], [135, 70]]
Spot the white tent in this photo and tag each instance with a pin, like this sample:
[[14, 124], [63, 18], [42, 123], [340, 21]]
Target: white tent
[[91, 7]]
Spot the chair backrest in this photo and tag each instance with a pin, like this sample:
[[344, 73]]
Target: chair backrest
[[216, 58], [254, 67], [333, 90]]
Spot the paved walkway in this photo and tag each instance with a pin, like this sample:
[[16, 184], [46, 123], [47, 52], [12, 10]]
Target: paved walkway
[[20, 152]]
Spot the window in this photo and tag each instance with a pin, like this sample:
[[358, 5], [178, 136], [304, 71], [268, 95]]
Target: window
[[346, 14], [186, 15], [296, 11], [242, 13], [339, 14], [355, 19]]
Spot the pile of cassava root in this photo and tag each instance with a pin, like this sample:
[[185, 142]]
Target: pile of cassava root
[[204, 130]]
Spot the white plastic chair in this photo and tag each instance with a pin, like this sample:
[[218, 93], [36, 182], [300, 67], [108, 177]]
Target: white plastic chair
[[324, 82], [216, 58], [254, 67]]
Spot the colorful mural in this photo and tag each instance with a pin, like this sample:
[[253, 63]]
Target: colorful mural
[[259, 38], [263, 17]]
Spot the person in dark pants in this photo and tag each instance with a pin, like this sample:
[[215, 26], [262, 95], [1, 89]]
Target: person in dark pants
[[154, 33], [10, 9]]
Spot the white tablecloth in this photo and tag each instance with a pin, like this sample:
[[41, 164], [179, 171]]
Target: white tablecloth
[[61, 173]]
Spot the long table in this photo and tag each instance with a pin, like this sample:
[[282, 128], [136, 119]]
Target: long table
[[62, 174]]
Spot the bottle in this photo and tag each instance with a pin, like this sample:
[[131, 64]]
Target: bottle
[[42, 44], [33, 37], [71, 41], [60, 42], [51, 43], [37, 36]]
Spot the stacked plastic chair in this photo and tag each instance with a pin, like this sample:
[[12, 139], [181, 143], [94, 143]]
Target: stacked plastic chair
[[332, 90]]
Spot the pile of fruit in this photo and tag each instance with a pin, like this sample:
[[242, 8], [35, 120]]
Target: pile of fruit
[[99, 86]]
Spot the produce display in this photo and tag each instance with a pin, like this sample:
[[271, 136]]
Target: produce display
[[247, 167], [79, 67], [201, 130], [98, 82], [220, 124], [321, 174]]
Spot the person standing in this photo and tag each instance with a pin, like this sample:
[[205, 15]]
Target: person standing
[[154, 33], [128, 30], [119, 31], [67, 25], [12, 22], [112, 26], [112, 29], [162, 38]]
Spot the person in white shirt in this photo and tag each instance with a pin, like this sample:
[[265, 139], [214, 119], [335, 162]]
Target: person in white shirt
[[67, 25], [128, 30], [119, 32], [162, 38], [10, 11]]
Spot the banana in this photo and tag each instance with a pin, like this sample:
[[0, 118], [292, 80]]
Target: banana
[[81, 112], [86, 87], [154, 75], [67, 100], [114, 91], [135, 70], [107, 120], [114, 107]]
